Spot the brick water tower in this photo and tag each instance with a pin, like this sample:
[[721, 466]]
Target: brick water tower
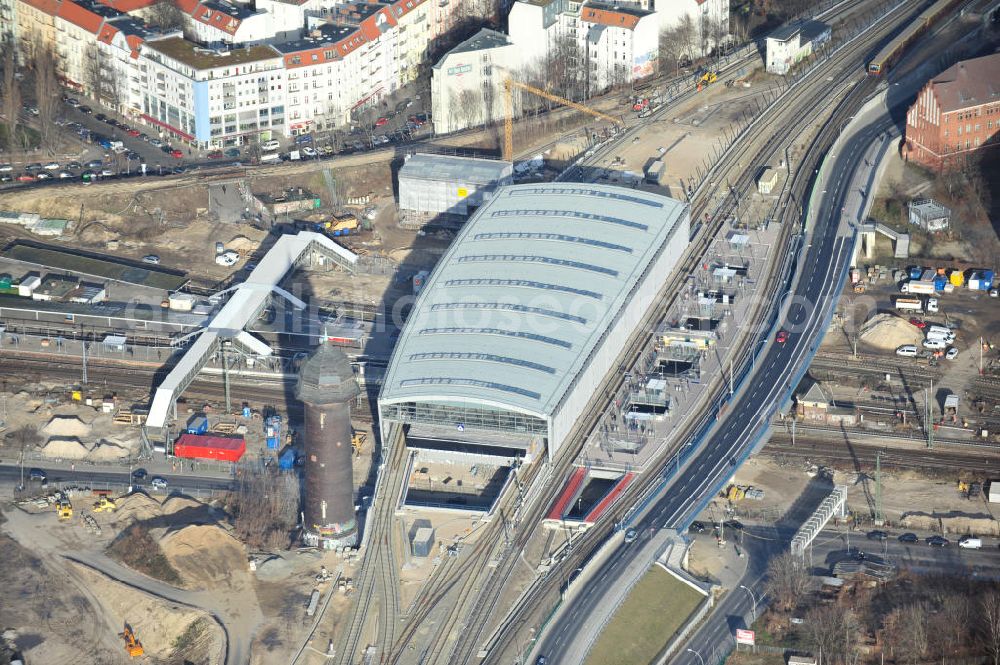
[[326, 387]]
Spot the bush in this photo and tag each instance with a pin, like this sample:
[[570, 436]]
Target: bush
[[135, 548]]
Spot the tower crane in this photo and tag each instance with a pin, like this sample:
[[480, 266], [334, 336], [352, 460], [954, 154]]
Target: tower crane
[[508, 125]]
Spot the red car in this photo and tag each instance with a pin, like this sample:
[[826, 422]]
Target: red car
[[26, 177], [216, 154], [134, 132], [381, 121], [176, 153], [918, 323], [781, 337]]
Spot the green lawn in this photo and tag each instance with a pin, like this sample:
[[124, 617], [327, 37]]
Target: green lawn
[[654, 611]]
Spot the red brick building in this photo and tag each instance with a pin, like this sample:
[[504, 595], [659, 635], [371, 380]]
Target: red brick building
[[956, 113]]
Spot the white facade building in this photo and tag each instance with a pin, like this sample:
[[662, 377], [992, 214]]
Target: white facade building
[[791, 43], [217, 22], [213, 99], [620, 41], [467, 83]]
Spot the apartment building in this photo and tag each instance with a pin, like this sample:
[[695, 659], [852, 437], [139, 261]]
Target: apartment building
[[218, 22], [619, 42], [8, 20], [467, 83], [956, 114], [213, 98]]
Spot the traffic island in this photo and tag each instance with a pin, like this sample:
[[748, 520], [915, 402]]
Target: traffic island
[[656, 608]]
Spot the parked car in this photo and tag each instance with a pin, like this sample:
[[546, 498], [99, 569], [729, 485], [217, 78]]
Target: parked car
[[878, 535], [37, 474], [33, 167], [101, 117], [303, 139], [381, 122], [233, 152], [152, 259], [95, 164], [216, 154], [75, 103], [65, 174], [74, 166], [938, 541], [6, 168], [158, 482], [952, 353], [26, 177], [139, 474], [697, 527], [309, 151], [156, 143], [270, 146], [53, 166], [6, 177], [44, 175], [907, 538], [134, 133], [229, 258], [85, 109]]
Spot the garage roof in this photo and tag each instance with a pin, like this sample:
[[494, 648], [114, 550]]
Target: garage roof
[[524, 294]]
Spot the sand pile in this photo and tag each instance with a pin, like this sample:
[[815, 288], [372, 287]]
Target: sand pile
[[136, 507], [108, 450], [65, 447], [157, 623], [204, 555], [981, 526], [66, 426], [888, 332]]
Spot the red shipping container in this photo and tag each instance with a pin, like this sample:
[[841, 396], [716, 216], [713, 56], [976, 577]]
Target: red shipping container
[[205, 446]]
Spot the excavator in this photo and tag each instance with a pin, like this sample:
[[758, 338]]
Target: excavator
[[64, 509], [133, 647], [707, 79], [105, 505]]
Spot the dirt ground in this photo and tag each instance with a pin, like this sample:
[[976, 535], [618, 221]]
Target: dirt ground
[[915, 500]]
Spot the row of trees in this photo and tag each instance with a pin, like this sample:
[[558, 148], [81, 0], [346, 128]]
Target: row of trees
[[922, 619]]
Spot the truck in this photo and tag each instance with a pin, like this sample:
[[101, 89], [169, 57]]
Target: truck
[[909, 304], [918, 286], [655, 171]]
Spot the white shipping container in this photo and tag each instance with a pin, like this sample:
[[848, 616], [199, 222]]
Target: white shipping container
[[28, 286], [920, 286]]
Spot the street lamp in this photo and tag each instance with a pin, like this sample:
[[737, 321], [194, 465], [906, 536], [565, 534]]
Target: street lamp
[[753, 599], [697, 654]]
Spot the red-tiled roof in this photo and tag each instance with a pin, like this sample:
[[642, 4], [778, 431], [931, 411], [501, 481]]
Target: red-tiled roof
[[81, 17], [609, 17], [128, 5], [50, 7], [968, 83], [108, 33], [216, 19]]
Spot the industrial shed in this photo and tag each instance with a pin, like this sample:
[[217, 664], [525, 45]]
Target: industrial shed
[[445, 189], [526, 313]]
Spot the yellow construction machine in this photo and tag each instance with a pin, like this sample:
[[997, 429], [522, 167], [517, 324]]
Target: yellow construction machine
[[707, 79], [133, 647], [105, 505], [64, 509], [358, 441]]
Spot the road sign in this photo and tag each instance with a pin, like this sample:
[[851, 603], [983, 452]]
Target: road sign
[[744, 637]]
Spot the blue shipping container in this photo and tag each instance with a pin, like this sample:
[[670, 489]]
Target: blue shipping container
[[988, 278], [246, 411], [916, 272], [939, 282], [287, 459], [197, 425], [272, 443]]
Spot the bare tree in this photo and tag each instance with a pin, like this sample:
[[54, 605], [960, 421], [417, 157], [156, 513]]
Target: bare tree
[[905, 632], [167, 15], [672, 49], [265, 505], [46, 93], [102, 81], [787, 580], [11, 93], [833, 630], [951, 623], [567, 67], [686, 33], [989, 625]]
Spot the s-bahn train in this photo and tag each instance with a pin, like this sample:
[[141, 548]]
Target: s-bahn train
[[892, 51]]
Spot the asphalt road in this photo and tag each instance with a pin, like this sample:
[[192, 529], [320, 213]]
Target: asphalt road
[[742, 422], [10, 474]]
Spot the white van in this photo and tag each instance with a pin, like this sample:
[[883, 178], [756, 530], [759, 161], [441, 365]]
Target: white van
[[940, 329], [270, 145], [970, 543], [932, 305], [934, 344], [907, 350], [270, 158]]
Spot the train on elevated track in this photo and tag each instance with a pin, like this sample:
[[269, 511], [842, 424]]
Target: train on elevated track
[[893, 50]]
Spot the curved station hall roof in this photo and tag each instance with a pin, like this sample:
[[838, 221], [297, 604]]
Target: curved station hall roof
[[525, 293]]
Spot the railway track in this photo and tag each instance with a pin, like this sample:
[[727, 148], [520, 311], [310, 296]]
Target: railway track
[[838, 363], [823, 139], [862, 455]]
